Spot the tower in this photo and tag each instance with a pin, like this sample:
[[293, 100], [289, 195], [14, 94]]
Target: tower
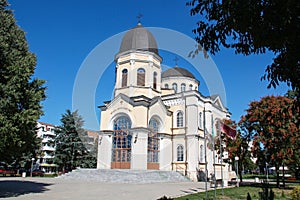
[[138, 64]]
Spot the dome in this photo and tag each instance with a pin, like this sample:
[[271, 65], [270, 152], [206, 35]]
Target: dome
[[176, 72], [138, 38]]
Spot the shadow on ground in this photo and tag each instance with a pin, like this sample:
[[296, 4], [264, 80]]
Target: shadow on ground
[[11, 188]]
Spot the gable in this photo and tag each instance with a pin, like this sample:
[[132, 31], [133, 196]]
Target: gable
[[159, 104], [218, 103]]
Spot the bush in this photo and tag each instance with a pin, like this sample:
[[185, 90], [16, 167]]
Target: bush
[[50, 175], [164, 198], [296, 193]]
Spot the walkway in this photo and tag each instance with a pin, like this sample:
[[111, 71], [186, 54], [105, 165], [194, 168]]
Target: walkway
[[53, 188]]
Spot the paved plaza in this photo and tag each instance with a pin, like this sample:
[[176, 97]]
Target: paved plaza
[[56, 188]]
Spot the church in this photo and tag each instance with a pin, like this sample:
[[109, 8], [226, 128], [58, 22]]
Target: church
[[158, 120]]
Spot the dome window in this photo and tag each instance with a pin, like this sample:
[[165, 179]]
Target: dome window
[[174, 87], [141, 77], [154, 80], [182, 87], [124, 77], [166, 86], [190, 87]]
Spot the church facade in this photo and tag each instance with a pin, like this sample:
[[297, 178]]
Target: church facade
[[156, 120]]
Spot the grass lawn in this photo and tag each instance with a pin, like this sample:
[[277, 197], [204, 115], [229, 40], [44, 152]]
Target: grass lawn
[[238, 193]]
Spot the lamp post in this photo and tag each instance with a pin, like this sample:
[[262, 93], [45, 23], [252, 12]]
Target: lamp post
[[205, 157], [214, 154], [32, 159], [237, 170]]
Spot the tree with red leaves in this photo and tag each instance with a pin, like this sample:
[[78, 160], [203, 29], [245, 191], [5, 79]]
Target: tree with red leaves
[[273, 124]]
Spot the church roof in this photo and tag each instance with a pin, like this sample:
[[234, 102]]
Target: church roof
[[176, 72], [138, 38]]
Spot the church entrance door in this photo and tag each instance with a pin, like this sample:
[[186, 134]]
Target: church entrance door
[[121, 152], [121, 144]]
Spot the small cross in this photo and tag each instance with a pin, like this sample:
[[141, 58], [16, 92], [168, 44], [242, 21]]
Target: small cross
[[175, 60], [139, 17]]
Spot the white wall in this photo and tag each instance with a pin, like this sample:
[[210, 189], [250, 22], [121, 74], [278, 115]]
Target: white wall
[[139, 150], [104, 151]]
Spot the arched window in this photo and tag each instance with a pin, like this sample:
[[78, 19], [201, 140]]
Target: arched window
[[179, 119], [200, 120], [180, 153], [166, 86], [124, 77], [154, 80], [153, 144], [190, 87], [182, 87], [201, 154], [141, 77], [122, 123], [174, 87], [154, 125]]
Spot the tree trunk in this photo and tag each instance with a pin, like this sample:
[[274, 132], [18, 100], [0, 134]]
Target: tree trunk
[[277, 176], [283, 181], [241, 177]]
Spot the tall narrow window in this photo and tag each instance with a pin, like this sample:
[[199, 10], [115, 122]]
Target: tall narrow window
[[141, 77], [190, 87], [153, 144], [180, 119], [124, 77], [174, 87], [180, 153], [182, 87], [154, 80], [200, 120], [166, 86]]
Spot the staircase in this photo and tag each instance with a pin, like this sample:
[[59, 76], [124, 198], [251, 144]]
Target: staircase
[[125, 176]]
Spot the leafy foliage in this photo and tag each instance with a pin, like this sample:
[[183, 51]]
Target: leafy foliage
[[253, 27], [273, 123], [20, 93], [71, 144], [296, 192]]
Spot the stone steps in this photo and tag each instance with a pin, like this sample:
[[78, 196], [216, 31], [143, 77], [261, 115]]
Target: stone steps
[[125, 176]]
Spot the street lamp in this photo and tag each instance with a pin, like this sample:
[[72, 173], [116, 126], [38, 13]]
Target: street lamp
[[32, 159], [205, 156], [237, 170]]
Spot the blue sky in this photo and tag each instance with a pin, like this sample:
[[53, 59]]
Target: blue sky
[[63, 33]]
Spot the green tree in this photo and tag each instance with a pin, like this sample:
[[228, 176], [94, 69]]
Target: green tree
[[273, 124], [253, 27], [70, 143], [20, 93]]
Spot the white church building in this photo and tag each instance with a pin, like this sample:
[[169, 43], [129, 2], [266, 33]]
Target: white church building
[[156, 119]]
